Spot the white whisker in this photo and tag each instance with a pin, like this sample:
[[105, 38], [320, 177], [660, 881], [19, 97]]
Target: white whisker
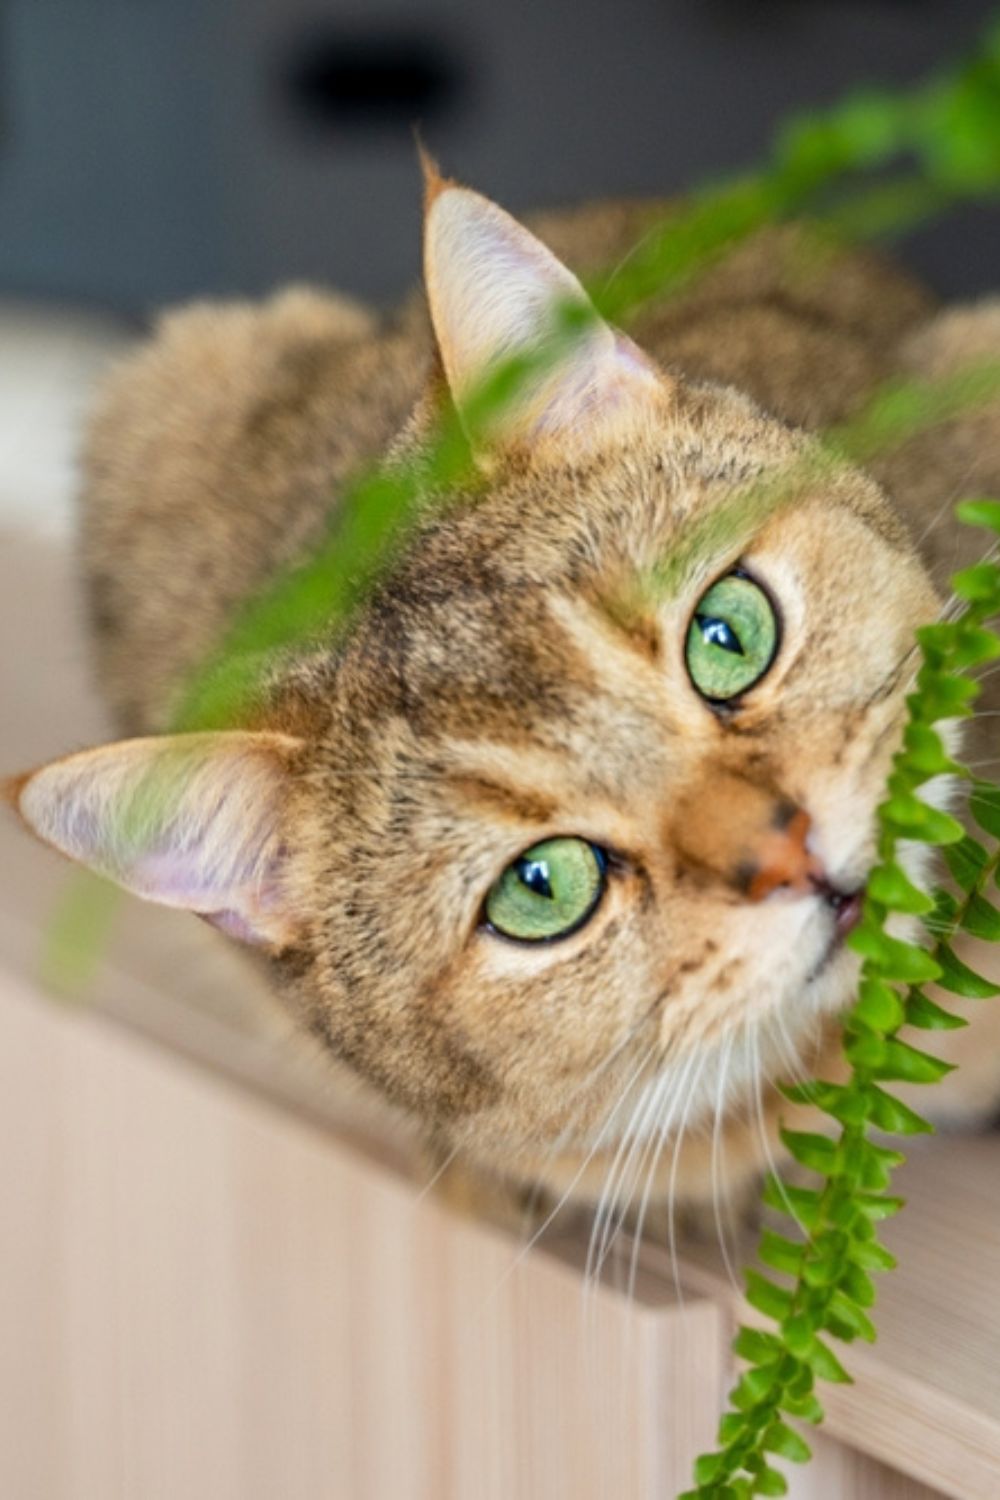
[[675, 1163], [717, 1157], [605, 1220], [659, 1139], [595, 1147], [789, 1052], [436, 1176], [565, 1136], [762, 1130]]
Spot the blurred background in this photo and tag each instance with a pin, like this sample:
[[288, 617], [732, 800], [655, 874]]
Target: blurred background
[[152, 150], [189, 1277]]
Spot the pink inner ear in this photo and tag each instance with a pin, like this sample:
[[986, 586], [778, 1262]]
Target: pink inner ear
[[631, 360], [493, 289], [182, 879], [209, 838], [169, 878], [596, 384], [234, 926]]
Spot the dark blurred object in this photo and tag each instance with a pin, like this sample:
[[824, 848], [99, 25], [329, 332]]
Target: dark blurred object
[[339, 81], [158, 149]]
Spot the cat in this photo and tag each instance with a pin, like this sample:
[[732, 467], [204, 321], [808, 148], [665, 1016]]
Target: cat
[[557, 862]]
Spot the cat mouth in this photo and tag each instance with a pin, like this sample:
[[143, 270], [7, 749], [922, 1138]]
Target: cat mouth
[[845, 907], [844, 903]]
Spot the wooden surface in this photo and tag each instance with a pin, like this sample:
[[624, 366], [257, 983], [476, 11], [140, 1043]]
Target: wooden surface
[[203, 1297], [928, 1397], [838, 1472]]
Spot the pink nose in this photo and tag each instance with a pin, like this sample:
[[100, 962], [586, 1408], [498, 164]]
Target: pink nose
[[782, 860]]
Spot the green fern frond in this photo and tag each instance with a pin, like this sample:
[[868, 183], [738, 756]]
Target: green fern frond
[[828, 1286]]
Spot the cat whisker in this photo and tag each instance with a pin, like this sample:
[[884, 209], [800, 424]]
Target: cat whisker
[[888, 681], [583, 1088], [789, 1052], [640, 245], [437, 1174], [605, 1228], [671, 1189], [596, 1146], [598, 1141], [630, 1177], [951, 608], [945, 510], [596, 1242], [660, 1140], [608, 1220], [762, 1130], [718, 1159]]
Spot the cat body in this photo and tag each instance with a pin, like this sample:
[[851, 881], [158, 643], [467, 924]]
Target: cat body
[[515, 681]]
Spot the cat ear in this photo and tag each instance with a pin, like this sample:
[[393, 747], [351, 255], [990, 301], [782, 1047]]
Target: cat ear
[[494, 291], [189, 820]]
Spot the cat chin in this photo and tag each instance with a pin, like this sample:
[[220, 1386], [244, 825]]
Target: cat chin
[[737, 1067], [832, 984], [827, 960]]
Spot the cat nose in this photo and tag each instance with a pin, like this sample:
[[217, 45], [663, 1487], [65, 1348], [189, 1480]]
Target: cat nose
[[747, 835], [781, 857]]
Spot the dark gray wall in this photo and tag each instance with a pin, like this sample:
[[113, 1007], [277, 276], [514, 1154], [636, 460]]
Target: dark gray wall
[[155, 149]]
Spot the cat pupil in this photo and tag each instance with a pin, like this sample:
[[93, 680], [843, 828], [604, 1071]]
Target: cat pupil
[[718, 633], [535, 875]]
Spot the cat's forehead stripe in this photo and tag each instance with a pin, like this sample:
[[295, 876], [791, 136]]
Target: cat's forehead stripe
[[512, 777], [503, 799]]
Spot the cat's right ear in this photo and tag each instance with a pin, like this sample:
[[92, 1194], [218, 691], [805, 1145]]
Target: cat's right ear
[[494, 292], [189, 820]]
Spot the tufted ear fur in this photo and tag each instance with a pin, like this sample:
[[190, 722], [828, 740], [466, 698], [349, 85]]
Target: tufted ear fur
[[191, 820], [493, 291]]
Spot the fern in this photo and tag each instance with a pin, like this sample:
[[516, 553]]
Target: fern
[[829, 1263]]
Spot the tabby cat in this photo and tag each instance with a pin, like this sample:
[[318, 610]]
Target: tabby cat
[[556, 857]]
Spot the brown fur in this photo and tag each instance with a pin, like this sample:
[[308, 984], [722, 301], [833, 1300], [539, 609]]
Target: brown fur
[[507, 682]]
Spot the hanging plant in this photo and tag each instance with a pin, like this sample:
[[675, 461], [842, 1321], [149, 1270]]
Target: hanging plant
[[825, 1262]]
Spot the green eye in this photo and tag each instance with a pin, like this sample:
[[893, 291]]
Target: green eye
[[732, 639], [548, 892]]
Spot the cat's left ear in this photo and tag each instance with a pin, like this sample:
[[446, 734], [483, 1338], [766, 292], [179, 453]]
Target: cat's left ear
[[190, 820], [494, 291]]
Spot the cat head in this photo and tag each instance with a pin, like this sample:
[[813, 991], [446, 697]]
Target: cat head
[[588, 792]]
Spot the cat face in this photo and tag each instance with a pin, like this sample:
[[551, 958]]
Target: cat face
[[532, 721], [589, 792]]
